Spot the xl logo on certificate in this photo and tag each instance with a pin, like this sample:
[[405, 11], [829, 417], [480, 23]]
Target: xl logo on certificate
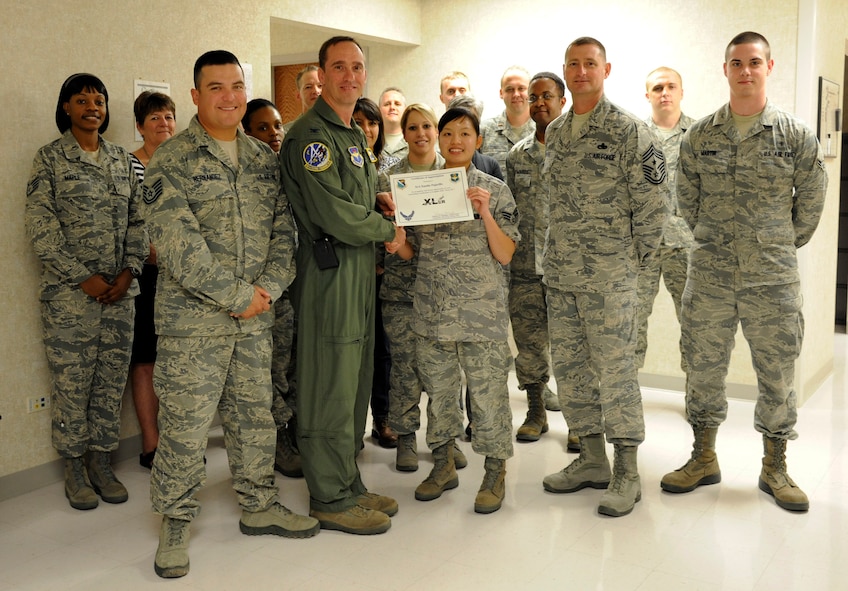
[[431, 197]]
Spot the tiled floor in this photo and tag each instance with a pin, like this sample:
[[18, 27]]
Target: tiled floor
[[727, 536]]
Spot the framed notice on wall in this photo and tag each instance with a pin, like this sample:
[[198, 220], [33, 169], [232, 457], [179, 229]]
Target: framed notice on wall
[[830, 117], [140, 86]]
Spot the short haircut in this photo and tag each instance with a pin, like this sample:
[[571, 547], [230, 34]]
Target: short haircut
[[372, 113], [453, 76], [253, 106], [151, 101], [322, 53], [467, 101], [455, 113], [664, 69], [515, 68], [748, 37], [76, 84], [392, 89], [552, 77], [302, 73], [216, 57], [587, 41], [425, 110]]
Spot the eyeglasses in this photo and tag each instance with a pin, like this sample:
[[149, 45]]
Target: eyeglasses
[[547, 97]]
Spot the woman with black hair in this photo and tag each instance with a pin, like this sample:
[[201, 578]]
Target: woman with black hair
[[82, 218]]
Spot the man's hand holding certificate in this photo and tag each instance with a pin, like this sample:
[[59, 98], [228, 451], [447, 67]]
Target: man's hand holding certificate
[[431, 197]]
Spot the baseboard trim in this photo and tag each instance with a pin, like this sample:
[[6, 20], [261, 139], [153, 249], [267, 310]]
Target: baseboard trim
[[34, 478]]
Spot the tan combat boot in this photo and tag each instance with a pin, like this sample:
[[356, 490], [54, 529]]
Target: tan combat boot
[[354, 520], [775, 481], [443, 476], [590, 469], [491, 494], [78, 488], [625, 490], [103, 479], [702, 467], [459, 459], [277, 520], [286, 457], [172, 554], [407, 453], [536, 421]]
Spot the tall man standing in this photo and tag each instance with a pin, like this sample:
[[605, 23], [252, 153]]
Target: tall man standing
[[664, 91], [224, 237], [501, 133], [330, 179], [607, 193], [527, 309], [751, 186]]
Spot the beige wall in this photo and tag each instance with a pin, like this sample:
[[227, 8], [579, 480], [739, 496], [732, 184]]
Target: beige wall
[[410, 43]]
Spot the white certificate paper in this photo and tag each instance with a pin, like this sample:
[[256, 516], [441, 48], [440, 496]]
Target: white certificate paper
[[431, 197]]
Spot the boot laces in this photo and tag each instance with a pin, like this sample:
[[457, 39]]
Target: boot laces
[[490, 478], [177, 530]]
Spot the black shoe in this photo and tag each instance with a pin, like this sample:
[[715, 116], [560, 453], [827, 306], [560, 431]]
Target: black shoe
[[145, 460]]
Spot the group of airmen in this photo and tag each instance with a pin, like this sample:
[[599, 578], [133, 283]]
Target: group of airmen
[[596, 206]]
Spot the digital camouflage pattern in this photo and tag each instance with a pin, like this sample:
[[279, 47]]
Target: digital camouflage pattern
[[593, 337], [608, 199], [499, 136], [189, 378], [528, 311], [486, 365], [82, 219], [751, 203], [460, 294], [219, 228], [284, 405], [461, 321], [396, 294], [82, 216], [672, 257], [219, 231]]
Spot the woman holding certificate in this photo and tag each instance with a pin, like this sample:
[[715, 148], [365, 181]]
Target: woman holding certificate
[[460, 318], [420, 131]]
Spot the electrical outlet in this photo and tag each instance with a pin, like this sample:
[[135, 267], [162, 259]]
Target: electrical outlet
[[37, 403]]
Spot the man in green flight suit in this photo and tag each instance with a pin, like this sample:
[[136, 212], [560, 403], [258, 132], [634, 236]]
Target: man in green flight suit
[[330, 177]]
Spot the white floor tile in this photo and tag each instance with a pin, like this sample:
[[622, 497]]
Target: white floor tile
[[729, 536]]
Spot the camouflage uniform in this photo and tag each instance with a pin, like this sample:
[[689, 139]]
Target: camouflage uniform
[[499, 137], [751, 202], [82, 218], [284, 405], [527, 309], [219, 229], [461, 321], [397, 296], [607, 200], [331, 181], [672, 257]]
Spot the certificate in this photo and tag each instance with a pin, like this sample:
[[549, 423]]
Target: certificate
[[431, 197]]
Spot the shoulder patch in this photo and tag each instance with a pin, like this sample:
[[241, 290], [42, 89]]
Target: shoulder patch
[[316, 157], [653, 165], [356, 156], [371, 155], [150, 193]]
